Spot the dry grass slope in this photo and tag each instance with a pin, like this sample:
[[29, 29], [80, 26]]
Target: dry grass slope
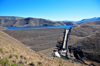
[[17, 53]]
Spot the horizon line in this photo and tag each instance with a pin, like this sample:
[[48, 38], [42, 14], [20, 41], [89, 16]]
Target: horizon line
[[51, 19]]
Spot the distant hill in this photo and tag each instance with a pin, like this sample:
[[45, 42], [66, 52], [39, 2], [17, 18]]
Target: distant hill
[[81, 21], [88, 20], [87, 37], [9, 21], [10, 17], [67, 23]]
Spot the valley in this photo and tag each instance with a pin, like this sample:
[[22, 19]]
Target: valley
[[16, 53], [83, 44]]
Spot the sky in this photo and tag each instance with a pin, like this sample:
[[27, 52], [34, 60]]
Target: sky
[[56, 10]]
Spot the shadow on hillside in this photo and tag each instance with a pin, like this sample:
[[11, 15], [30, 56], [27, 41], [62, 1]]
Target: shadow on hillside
[[77, 53]]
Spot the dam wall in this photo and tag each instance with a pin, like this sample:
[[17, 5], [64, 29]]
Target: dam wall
[[37, 39]]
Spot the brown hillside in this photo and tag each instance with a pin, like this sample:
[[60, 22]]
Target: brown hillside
[[19, 54], [9, 21], [86, 37], [85, 29]]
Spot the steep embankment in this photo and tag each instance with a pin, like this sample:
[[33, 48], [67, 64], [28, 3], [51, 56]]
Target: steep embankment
[[8, 21], [86, 37], [37, 39], [19, 54]]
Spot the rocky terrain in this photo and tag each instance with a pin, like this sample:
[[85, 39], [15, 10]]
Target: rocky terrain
[[86, 38], [14, 53]]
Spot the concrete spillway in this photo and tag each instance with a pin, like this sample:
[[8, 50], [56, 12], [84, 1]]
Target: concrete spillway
[[64, 50], [65, 39]]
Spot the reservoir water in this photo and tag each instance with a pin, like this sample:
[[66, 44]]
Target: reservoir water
[[38, 27]]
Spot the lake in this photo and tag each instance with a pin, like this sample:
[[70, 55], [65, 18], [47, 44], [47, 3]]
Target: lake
[[38, 27]]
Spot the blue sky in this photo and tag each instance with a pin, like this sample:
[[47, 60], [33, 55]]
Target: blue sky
[[56, 10]]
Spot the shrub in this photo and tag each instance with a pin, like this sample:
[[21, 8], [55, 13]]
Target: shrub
[[4, 62], [31, 64], [12, 64], [16, 56], [13, 49], [11, 55], [1, 50], [20, 63], [39, 64], [60, 62]]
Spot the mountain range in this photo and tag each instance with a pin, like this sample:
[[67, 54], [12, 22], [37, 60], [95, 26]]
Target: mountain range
[[83, 20], [12, 21], [88, 20]]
